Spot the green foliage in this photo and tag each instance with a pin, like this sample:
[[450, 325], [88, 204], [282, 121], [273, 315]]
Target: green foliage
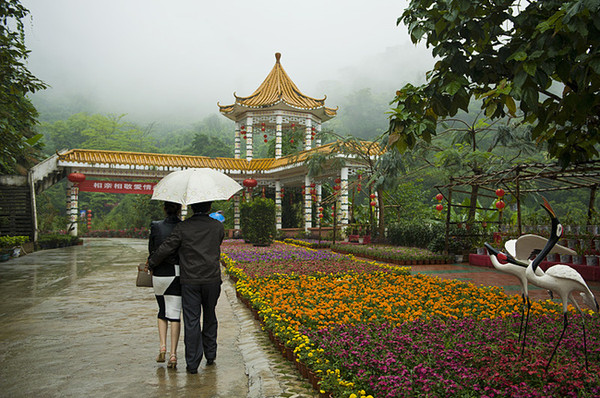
[[84, 131], [213, 137], [9, 242], [507, 52], [50, 241], [19, 144], [414, 234], [257, 219]]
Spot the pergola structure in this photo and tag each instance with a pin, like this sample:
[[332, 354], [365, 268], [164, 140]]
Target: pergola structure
[[525, 179]]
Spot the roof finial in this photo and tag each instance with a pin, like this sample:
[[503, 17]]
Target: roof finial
[[277, 57]]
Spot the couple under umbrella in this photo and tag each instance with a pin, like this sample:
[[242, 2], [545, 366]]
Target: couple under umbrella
[[185, 262]]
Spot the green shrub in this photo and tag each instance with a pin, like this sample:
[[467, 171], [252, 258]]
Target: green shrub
[[8, 242], [51, 241], [257, 218], [414, 233]]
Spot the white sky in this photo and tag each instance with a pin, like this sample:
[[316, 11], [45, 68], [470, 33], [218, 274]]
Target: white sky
[[175, 59]]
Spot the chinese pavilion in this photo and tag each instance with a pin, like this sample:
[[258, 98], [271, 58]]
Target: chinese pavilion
[[276, 107]]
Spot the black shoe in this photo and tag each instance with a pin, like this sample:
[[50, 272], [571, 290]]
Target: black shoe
[[210, 362], [191, 371]]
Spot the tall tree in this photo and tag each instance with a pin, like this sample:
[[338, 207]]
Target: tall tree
[[542, 56], [97, 131], [19, 143]]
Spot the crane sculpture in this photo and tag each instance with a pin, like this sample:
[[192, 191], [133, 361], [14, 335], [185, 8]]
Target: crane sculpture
[[561, 279], [520, 251]]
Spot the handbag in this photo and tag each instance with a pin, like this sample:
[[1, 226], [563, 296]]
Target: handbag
[[144, 279]]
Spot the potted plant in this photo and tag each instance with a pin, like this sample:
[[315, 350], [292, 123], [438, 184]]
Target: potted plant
[[11, 246]]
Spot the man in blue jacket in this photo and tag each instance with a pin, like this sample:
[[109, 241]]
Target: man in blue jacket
[[197, 240]]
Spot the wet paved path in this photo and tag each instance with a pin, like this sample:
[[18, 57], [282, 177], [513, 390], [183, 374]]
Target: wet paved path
[[75, 325]]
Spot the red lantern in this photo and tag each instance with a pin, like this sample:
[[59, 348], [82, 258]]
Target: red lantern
[[500, 192], [372, 196], [250, 183], [320, 215], [439, 207], [320, 210], [500, 205], [243, 127], [292, 141], [439, 197], [337, 180], [293, 124], [266, 141], [373, 203], [76, 177]]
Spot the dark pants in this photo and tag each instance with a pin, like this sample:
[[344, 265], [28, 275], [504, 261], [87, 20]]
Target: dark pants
[[197, 299]]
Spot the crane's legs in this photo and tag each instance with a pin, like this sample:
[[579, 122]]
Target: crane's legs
[[584, 343], [528, 306], [565, 323], [522, 315]]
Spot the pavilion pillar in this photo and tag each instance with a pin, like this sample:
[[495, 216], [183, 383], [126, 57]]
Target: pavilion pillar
[[278, 136], [319, 189], [318, 140], [307, 205], [344, 197], [278, 205], [308, 135], [237, 142], [249, 138], [184, 211], [236, 213], [72, 207]]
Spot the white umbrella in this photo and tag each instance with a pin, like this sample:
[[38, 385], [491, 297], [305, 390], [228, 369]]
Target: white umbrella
[[195, 185]]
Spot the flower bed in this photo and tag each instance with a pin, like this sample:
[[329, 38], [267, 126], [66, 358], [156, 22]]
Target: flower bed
[[311, 243], [363, 329], [393, 254], [282, 258]]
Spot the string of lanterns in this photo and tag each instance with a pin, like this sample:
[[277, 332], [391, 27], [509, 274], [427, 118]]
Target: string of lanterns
[[263, 129], [500, 202]]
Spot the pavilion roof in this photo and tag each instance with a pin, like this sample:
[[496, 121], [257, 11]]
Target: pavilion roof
[[167, 161], [279, 91]]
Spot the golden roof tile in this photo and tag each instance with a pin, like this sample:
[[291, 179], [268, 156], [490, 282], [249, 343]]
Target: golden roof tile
[[279, 88], [92, 157]]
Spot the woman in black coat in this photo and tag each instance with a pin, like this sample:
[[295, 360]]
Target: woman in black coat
[[167, 287]]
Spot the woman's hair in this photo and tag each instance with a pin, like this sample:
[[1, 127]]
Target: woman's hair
[[172, 209]]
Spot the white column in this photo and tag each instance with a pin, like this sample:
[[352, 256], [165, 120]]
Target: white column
[[238, 141], [319, 196], [184, 211], [308, 135], [72, 207], [236, 212], [307, 204], [278, 205], [249, 138], [318, 140], [344, 197], [278, 136]]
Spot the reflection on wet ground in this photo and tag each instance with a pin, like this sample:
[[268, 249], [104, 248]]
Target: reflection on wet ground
[[75, 325]]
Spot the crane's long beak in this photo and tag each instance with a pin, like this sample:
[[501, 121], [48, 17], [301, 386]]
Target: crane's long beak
[[548, 208]]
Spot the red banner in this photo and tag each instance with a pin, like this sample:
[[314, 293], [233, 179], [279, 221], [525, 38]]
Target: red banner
[[117, 187]]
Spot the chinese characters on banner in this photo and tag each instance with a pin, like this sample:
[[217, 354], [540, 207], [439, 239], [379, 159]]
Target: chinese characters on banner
[[117, 187]]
